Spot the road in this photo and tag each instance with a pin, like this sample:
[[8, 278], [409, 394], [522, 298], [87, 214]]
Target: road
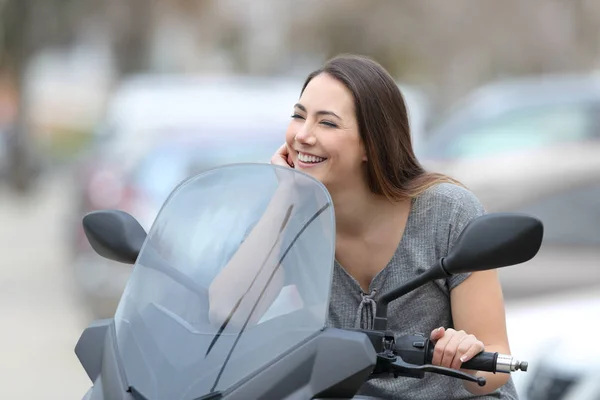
[[39, 316]]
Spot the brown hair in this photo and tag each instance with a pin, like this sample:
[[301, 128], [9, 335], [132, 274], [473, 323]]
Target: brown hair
[[392, 167]]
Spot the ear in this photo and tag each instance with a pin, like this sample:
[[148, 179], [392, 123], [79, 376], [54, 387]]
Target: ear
[[363, 150]]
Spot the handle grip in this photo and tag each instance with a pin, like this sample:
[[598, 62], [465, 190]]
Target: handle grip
[[485, 361], [488, 362], [418, 349]]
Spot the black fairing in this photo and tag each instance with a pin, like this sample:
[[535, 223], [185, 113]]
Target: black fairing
[[114, 234], [494, 241], [332, 365], [307, 372]]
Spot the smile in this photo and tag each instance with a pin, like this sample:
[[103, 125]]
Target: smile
[[309, 158]]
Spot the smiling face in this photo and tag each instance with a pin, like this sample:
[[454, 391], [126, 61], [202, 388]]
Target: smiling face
[[323, 136]]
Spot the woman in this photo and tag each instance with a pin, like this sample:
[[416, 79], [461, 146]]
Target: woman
[[393, 220], [350, 130]]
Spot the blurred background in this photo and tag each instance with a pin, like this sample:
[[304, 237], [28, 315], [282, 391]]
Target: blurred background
[[110, 104]]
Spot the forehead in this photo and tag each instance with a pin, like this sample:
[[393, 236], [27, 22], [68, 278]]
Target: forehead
[[326, 93]]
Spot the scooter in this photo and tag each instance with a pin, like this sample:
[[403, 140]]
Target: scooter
[[162, 343]]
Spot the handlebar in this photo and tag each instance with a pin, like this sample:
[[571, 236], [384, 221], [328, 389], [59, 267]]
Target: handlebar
[[411, 356], [418, 349]]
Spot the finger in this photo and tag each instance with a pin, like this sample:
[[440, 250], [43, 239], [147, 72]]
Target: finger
[[463, 347], [281, 156], [450, 349], [437, 334], [440, 345], [284, 150], [476, 348], [277, 160], [290, 159]]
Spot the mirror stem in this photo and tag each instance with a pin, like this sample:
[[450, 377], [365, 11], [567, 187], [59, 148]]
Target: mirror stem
[[433, 273]]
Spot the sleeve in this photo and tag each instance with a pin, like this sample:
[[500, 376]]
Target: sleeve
[[466, 208]]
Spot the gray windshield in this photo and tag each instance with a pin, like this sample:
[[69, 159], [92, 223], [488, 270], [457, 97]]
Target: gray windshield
[[167, 345]]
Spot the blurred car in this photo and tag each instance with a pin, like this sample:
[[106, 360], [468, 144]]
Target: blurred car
[[147, 101], [517, 115], [533, 145], [555, 334]]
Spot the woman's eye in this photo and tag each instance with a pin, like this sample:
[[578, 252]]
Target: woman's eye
[[297, 116], [329, 124]]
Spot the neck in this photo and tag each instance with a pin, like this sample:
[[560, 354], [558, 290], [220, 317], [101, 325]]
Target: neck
[[357, 210]]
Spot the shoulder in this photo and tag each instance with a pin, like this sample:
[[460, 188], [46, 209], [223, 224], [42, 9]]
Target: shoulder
[[450, 194], [448, 208], [452, 201]]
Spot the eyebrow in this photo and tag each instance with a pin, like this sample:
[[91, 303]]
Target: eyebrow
[[320, 112]]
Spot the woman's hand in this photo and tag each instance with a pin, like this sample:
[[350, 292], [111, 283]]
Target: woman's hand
[[452, 348], [283, 157]]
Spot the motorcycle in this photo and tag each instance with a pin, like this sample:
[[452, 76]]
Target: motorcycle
[[162, 343]]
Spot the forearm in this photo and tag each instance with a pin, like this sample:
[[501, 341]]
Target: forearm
[[493, 381], [253, 304], [254, 261]]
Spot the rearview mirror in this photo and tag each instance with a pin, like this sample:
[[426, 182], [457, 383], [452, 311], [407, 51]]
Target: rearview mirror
[[494, 241], [114, 234]]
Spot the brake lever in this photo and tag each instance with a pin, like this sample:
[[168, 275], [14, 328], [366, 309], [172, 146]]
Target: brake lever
[[399, 365]]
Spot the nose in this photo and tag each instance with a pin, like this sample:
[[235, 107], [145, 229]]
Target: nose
[[305, 135]]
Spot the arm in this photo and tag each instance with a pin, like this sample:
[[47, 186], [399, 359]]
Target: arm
[[478, 309], [262, 243]]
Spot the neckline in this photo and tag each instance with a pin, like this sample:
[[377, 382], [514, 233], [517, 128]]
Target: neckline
[[374, 284]]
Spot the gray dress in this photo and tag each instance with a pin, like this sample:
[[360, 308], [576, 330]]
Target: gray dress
[[436, 219]]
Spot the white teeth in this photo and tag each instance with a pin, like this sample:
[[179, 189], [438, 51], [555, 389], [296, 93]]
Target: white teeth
[[309, 159]]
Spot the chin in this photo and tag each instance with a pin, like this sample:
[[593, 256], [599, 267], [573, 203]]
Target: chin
[[318, 175]]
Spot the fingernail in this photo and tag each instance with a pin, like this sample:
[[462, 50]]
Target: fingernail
[[463, 359], [440, 328]]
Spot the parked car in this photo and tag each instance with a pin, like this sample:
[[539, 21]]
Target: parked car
[[517, 115], [533, 146]]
